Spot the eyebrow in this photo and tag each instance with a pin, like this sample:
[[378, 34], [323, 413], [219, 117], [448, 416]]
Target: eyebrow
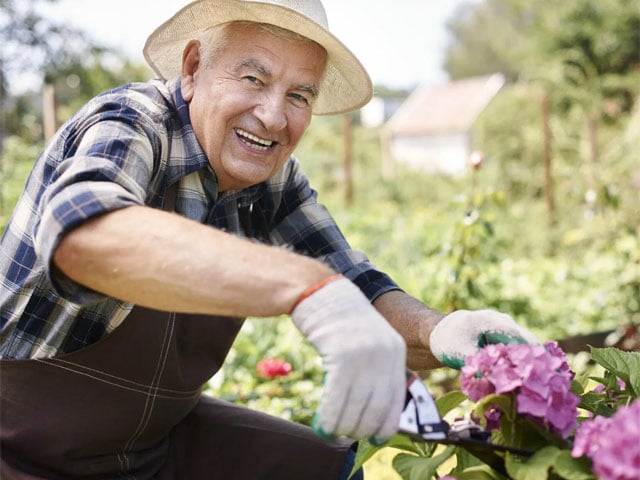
[[254, 64]]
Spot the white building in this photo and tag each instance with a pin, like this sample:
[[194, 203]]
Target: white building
[[431, 130]]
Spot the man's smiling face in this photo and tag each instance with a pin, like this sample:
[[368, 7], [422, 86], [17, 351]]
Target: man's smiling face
[[251, 104]]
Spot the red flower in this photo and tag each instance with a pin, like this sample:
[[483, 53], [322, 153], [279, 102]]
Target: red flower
[[273, 367]]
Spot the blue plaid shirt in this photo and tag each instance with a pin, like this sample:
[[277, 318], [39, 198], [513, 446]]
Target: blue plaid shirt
[[125, 147]]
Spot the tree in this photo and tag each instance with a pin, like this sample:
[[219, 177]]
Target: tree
[[67, 58], [488, 37], [573, 70], [30, 41], [585, 51]]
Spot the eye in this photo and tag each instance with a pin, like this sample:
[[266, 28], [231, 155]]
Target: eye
[[299, 100], [252, 79]]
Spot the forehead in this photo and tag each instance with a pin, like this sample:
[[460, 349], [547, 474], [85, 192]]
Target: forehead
[[246, 40]]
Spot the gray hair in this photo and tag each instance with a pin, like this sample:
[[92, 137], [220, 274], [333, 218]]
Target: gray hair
[[215, 38]]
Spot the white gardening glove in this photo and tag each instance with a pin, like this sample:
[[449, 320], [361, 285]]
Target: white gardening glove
[[463, 332], [364, 359]]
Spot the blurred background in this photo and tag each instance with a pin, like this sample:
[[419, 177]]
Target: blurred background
[[497, 165]]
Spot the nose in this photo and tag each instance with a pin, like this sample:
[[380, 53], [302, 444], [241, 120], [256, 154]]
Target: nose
[[271, 112]]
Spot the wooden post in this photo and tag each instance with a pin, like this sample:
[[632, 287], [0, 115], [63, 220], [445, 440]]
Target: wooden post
[[348, 159], [49, 111]]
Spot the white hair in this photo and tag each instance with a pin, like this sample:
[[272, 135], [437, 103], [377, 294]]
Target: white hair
[[215, 38]]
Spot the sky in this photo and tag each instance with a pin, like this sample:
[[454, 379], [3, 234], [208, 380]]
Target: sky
[[401, 42]]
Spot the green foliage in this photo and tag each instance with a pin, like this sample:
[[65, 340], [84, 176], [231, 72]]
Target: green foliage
[[31, 42], [570, 42], [624, 365], [399, 442], [294, 396], [18, 157], [411, 467], [488, 38], [77, 82], [547, 461]]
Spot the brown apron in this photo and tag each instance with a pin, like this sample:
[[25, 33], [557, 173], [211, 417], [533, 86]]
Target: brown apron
[[130, 407]]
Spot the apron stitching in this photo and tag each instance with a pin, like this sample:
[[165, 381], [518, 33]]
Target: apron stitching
[[152, 391], [143, 390], [79, 367]]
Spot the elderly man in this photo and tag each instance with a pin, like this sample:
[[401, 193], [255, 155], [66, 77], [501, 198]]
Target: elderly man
[[152, 224]]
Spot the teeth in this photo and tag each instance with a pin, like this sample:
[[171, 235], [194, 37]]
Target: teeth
[[256, 142]]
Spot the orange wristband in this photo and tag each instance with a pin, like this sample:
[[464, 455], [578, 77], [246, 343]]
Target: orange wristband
[[314, 288]]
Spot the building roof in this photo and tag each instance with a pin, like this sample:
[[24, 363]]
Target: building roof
[[447, 108]]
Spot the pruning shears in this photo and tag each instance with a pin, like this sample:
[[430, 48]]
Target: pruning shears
[[421, 421]]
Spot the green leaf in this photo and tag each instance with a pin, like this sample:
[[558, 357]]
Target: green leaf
[[483, 472], [597, 403], [404, 442], [534, 468], [578, 385], [465, 461], [366, 450], [410, 467], [625, 365], [488, 228], [571, 468], [533, 437], [449, 401]]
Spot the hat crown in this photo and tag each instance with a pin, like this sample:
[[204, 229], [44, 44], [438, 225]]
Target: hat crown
[[312, 9]]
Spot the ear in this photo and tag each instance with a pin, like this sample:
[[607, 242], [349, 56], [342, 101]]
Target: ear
[[190, 65]]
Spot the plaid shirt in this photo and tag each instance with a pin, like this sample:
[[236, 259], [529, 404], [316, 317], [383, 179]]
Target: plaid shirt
[[125, 147]]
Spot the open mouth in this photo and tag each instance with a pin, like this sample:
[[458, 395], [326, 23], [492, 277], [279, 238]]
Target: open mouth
[[256, 143]]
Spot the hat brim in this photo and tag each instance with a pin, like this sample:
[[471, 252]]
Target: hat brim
[[345, 86]]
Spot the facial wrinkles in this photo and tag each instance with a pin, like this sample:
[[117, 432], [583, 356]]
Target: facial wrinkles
[[253, 93], [253, 64], [276, 103]]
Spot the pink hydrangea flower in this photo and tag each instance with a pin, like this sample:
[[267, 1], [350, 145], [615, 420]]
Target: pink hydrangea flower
[[587, 436], [562, 406], [612, 444], [556, 351], [474, 379], [538, 376]]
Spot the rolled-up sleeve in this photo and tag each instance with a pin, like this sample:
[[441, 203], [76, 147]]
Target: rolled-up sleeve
[[95, 169]]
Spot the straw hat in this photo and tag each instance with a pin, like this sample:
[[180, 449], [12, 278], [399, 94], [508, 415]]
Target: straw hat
[[346, 85]]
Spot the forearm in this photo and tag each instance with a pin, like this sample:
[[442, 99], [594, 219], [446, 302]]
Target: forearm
[[164, 261], [414, 321]]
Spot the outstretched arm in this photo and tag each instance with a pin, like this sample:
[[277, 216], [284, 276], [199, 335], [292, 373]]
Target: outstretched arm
[[434, 339], [415, 322], [164, 261]]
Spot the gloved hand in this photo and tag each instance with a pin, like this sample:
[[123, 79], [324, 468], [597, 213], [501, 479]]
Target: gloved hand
[[463, 332], [364, 359]]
